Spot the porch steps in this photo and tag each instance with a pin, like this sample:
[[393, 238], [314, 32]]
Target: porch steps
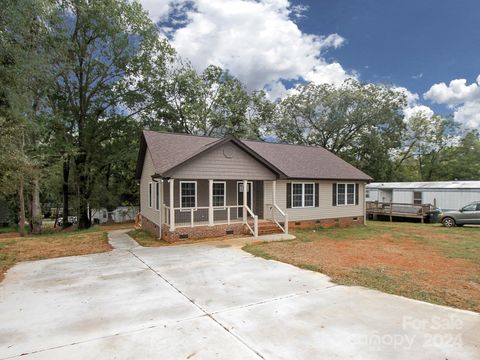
[[268, 228]]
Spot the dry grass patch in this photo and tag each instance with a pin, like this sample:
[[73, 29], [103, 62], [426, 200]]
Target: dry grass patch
[[424, 262], [58, 244]]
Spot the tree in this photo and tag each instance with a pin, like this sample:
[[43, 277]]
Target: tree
[[427, 139], [109, 46], [212, 103], [362, 123], [24, 52], [461, 162]]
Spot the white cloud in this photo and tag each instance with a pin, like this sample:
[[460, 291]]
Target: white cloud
[[257, 41], [156, 9], [416, 110], [463, 98], [413, 107]]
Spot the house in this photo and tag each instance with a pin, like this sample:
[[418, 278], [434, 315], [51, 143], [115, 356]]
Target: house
[[195, 187], [446, 195], [120, 214]]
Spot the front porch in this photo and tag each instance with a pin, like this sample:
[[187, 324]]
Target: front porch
[[210, 208]]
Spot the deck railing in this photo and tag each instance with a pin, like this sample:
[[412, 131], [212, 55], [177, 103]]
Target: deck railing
[[392, 209]]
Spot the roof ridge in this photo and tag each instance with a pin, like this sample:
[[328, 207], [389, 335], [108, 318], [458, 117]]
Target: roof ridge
[[243, 140], [182, 134], [283, 143]]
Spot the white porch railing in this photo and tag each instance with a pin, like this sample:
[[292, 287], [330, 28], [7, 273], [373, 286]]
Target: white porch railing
[[253, 230], [200, 216], [275, 209]]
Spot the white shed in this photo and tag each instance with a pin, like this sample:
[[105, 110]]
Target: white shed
[[447, 195]]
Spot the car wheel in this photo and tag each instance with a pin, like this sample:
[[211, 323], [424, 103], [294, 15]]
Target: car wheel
[[448, 222]]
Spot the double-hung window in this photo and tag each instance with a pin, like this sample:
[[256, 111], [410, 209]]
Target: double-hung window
[[303, 195], [219, 193], [188, 194], [345, 194]]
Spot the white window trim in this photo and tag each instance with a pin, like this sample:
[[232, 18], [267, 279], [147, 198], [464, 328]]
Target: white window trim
[[150, 193], [303, 194], [346, 194], [421, 197], [180, 194], [157, 195], [220, 207]]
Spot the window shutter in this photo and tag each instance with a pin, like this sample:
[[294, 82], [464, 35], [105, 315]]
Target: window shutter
[[334, 194], [357, 187], [316, 195], [289, 195]]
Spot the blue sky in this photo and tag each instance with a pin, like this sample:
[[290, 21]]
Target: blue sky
[[403, 42], [428, 49]]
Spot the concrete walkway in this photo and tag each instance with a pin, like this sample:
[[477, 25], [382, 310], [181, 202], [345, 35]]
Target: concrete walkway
[[213, 301]]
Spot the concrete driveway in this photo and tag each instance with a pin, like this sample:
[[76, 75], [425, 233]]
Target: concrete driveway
[[211, 301]]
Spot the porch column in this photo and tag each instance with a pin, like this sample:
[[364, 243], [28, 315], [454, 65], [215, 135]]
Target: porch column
[[172, 209], [244, 212], [274, 198], [210, 202], [160, 208]]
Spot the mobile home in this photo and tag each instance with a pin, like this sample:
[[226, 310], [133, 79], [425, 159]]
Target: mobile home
[[446, 195]]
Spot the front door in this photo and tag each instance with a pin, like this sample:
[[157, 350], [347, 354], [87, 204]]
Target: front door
[[240, 196]]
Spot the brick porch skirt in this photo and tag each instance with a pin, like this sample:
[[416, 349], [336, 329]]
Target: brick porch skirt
[[193, 233]]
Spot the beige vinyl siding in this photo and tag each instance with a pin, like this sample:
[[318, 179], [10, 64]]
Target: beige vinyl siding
[[149, 212], [325, 210], [214, 164]]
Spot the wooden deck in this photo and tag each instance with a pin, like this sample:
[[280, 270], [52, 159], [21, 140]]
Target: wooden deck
[[402, 210]]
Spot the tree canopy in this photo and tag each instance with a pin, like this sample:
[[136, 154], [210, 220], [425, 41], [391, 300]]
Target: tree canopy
[[81, 79]]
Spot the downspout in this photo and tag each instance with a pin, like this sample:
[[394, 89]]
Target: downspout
[[160, 205], [364, 204]]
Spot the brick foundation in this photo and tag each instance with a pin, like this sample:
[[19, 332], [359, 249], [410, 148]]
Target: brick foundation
[[341, 222], [150, 226], [202, 232]]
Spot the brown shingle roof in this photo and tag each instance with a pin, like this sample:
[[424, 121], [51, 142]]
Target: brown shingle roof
[[169, 150]]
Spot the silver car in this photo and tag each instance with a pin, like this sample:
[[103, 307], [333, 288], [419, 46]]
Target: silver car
[[469, 214]]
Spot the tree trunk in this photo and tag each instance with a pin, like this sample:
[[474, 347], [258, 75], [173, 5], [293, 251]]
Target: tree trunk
[[21, 213], [83, 219], [56, 215], [65, 189], [36, 220]]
